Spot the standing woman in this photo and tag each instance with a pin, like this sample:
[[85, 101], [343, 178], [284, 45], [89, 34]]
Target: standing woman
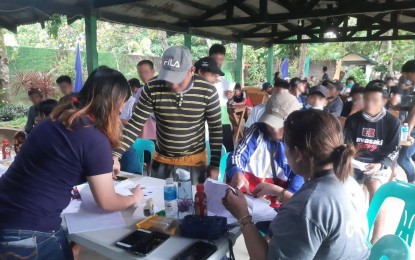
[[320, 221], [73, 146]]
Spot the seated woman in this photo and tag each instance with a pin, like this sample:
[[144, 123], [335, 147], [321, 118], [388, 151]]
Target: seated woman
[[73, 146], [321, 221], [258, 165], [239, 97]]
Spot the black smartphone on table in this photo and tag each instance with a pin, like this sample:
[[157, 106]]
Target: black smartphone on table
[[198, 251], [142, 242]]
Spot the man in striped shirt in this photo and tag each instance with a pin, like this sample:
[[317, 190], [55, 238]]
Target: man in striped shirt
[[181, 101]]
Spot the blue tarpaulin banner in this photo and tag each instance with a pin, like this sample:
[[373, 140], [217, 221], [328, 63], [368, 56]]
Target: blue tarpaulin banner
[[78, 71]]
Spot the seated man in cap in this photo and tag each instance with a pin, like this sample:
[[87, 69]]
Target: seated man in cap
[[317, 98], [258, 165], [181, 101], [335, 103]]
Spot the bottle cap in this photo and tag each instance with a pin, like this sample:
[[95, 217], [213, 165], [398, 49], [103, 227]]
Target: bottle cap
[[200, 187], [183, 174], [169, 181]]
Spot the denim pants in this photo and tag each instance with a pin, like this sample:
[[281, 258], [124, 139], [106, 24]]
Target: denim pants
[[34, 245], [405, 161]]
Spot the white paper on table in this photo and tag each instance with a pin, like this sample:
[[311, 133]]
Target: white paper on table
[[84, 221], [73, 207], [124, 188], [359, 165]]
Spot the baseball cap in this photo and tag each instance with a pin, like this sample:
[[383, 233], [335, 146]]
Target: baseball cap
[[319, 89], [295, 81], [208, 64], [175, 64], [330, 84], [277, 109], [409, 66], [266, 86]]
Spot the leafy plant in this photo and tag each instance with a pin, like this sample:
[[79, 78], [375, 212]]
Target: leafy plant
[[10, 112], [53, 24], [25, 80], [359, 74]]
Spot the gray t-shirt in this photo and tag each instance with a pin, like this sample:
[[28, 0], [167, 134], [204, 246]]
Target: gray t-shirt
[[320, 221], [335, 107]]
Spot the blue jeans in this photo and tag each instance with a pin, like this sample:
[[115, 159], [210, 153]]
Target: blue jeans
[[34, 245], [405, 160]]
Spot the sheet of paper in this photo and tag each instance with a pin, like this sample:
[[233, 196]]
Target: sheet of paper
[[89, 221], [261, 211], [73, 207], [359, 165]]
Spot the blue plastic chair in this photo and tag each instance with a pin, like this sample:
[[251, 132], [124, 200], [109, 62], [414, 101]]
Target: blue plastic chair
[[400, 190], [222, 167], [390, 247], [223, 151], [140, 146]]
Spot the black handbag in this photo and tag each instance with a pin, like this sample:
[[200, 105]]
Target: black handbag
[[203, 227]]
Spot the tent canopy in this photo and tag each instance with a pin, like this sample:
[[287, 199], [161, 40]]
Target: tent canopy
[[259, 23]]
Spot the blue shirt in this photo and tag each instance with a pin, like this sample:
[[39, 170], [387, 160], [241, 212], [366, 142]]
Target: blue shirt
[[53, 159]]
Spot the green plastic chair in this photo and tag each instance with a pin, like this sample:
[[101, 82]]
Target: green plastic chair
[[400, 190], [222, 167], [390, 247], [141, 145], [223, 152], [208, 152]]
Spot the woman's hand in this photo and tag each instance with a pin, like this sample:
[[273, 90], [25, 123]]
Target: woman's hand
[[138, 194], [116, 168], [265, 189], [236, 203], [238, 181]]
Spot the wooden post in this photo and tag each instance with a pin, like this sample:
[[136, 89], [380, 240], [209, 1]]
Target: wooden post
[[270, 64], [91, 43], [188, 41], [239, 63]]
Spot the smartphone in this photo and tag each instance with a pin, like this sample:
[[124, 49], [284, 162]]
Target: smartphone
[[198, 251], [120, 178], [142, 242]]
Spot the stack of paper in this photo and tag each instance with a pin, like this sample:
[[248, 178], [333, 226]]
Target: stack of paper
[[258, 208]]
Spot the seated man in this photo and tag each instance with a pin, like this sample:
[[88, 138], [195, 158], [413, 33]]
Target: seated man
[[258, 164], [335, 103], [375, 133], [35, 96], [317, 98]]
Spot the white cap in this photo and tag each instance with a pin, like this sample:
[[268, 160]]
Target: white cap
[[169, 181], [183, 174]]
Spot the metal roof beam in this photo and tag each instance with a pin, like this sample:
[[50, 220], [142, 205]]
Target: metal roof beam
[[108, 3], [348, 39]]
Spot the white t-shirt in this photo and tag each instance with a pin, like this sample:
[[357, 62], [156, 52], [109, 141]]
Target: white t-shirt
[[255, 115], [127, 111]]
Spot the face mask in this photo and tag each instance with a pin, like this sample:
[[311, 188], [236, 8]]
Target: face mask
[[349, 85]]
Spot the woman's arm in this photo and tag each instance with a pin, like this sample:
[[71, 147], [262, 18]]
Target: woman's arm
[[268, 189], [105, 196]]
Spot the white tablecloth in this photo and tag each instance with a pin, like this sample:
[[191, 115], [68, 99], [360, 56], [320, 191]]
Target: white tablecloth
[[103, 241]]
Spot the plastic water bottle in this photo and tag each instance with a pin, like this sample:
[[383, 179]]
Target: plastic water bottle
[[170, 198], [404, 132], [185, 194]]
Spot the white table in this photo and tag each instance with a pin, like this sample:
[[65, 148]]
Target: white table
[[103, 241]]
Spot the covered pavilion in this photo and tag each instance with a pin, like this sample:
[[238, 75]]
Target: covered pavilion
[[260, 23]]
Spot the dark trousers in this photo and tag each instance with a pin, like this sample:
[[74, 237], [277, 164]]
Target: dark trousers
[[227, 137], [405, 161], [164, 171], [33, 245]]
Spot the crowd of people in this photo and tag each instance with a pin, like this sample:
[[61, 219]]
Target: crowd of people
[[296, 151]]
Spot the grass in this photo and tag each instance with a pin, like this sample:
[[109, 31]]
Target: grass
[[18, 123]]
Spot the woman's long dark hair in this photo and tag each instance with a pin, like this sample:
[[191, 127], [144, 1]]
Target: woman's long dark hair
[[101, 98], [318, 135]]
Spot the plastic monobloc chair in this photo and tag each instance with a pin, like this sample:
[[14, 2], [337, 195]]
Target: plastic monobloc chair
[[223, 151], [208, 152], [390, 247], [140, 146], [222, 167], [400, 190]]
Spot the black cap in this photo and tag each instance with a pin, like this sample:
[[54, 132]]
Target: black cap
[[396, 90], [295, 81], [330, 84], [280, 83], [266, 86], [208, 64], [409, 66], [319, 89]]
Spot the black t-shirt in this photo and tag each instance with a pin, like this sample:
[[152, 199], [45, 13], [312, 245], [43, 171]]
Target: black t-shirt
[[53, 159], [377, 142], [347, 109]]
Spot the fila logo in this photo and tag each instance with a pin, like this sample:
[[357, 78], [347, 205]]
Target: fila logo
[[170, 63], [368, 132]]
